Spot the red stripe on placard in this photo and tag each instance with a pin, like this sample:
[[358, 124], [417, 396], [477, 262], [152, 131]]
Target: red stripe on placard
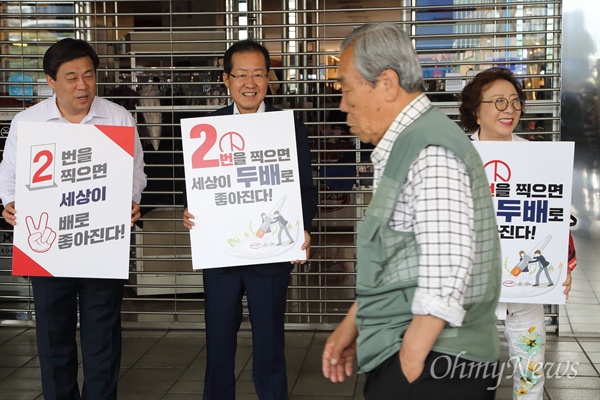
[[123, 136], [23, 265]]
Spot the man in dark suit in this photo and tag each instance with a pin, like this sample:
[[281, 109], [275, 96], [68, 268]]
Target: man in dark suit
[[246, 69]]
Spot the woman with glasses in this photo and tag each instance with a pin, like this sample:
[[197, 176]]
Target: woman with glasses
[[492, 106]]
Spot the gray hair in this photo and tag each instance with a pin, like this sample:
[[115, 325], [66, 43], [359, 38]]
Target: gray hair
[[382, 46]]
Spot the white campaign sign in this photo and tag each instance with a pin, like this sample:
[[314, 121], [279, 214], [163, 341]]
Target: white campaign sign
[[73, 200], [531, 187], [242, 183]]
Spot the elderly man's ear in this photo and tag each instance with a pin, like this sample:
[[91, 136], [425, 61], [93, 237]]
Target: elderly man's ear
[[391, 84]]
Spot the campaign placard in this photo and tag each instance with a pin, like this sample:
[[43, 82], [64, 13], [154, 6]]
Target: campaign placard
[[73, 200], [242, 185], [531, 184]]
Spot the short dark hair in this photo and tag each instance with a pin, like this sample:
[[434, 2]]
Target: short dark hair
[[471, 94], [66, 50], [245, 46]]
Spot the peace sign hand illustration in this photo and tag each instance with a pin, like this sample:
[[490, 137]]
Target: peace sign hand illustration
[[41, 236]]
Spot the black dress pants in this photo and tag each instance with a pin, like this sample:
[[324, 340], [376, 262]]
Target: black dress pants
[[57, 303], [444, 377]]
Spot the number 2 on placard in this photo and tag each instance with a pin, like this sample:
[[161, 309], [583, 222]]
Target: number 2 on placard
[[37, 176], [41, 168], [199, 159]]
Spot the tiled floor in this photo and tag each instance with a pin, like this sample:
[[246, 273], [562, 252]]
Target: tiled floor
[[581, 314], [169, 364]]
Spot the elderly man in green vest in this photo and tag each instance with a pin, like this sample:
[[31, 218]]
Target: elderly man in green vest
[[423, 324]]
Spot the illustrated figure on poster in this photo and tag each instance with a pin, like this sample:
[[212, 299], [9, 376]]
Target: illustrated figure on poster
[[282, 228], [265, 228], [524, 277], [542, 266], [249, 247], [523, 264], [266, 223], [527, 258], [267, 220]]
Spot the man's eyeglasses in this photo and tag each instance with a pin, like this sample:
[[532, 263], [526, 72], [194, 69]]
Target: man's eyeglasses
[[246, 78], [502, 104]]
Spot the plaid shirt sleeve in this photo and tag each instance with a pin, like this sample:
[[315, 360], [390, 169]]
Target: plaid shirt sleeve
[[437, 206]]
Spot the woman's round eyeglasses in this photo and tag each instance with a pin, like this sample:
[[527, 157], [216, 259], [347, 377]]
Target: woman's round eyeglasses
[[502, 104]]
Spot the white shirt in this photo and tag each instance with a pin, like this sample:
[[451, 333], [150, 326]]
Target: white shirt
[[435, 203], [261, 108], [102, 112], [513, 137]]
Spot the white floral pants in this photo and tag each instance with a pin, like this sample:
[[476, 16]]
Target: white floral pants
[[525, 331]]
